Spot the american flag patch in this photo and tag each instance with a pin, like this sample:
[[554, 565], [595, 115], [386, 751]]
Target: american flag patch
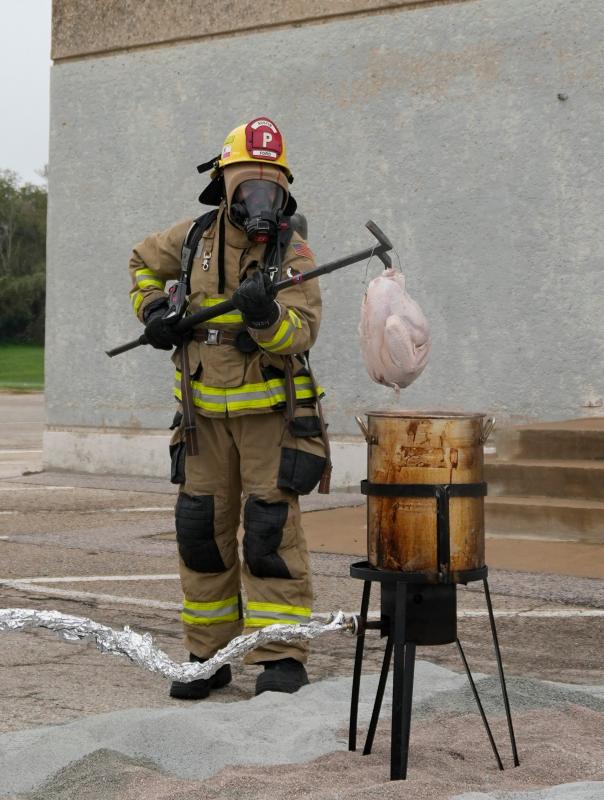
[[302, 249]]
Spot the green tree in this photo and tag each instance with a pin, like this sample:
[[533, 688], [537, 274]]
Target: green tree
[[22, 259]]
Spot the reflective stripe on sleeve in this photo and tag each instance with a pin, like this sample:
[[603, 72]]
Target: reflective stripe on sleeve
[[282, 339], [211, 613], [297, 322], [137, 299], [261, 614], [146, 278]]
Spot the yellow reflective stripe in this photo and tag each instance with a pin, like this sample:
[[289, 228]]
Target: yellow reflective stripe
[[230, 317], [212, 612], [282, 346], [282, 339], [137, 299], [294, 318], [261, 614], [146, 278], [212, 390], [281, 331], [232, 617], [194, 605], [208, 398], [240, 405], [227, 319], [151, 283], [279, 608], [249, 395], [198, 400]]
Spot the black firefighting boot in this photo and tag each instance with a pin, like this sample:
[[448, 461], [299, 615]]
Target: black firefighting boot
[[200, 689], [285, 675]]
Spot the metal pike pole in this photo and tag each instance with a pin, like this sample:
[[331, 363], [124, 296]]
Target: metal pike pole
[[189, 322]]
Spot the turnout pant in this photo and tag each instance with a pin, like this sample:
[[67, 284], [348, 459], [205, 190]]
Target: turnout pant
[[240, 462]]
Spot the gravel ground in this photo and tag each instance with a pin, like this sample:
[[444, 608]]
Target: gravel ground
[[282, 746]]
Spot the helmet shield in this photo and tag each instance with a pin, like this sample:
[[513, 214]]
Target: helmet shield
[[258, 142]]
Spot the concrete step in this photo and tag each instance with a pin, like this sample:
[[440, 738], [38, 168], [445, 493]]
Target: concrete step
[[545, 518], [574, 439], [580, 479]]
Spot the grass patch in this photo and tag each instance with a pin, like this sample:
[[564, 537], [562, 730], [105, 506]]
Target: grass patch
[[21, 366]]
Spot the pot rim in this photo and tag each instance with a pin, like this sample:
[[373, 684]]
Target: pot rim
[[416, 414]]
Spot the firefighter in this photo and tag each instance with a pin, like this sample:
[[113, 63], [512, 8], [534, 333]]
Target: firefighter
[[245, 387]]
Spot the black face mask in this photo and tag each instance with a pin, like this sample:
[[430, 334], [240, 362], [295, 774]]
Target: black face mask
[[256, 208]]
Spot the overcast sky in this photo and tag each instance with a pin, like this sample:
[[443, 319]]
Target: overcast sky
[[24, 86]]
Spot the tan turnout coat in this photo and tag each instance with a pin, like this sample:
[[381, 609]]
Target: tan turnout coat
[[227, 382]]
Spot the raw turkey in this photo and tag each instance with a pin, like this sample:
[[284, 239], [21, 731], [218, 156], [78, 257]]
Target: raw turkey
[[395, 337]]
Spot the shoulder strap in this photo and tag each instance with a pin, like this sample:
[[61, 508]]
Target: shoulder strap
[[324, 483], [285, 238], [221, 246], [275, 252], [187, 254], [192, 239]]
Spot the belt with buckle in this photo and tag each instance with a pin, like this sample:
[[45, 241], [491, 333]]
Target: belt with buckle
[[215, 336]]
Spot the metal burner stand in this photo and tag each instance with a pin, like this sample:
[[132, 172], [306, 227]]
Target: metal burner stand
[[417, 608]]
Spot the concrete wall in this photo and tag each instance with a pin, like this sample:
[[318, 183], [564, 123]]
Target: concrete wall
[[87, 27], [470, 132]]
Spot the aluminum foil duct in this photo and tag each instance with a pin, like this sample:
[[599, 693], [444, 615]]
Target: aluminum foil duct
[[139, 647]]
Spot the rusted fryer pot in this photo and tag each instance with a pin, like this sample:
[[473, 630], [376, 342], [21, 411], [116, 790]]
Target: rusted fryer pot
[[430, 448]]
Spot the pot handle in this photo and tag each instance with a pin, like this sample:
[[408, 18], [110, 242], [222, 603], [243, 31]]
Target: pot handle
[[486, 428], [368, 438], [363, 427]]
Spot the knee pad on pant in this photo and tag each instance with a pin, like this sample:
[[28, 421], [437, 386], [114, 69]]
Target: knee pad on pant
[[263, 523], [195, 533]]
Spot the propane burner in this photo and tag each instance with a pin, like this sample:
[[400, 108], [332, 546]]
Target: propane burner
[[420, 547], [430, 612], [412, 614]]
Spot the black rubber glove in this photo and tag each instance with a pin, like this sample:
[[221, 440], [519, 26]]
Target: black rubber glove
[[159, 332], [255, 298]]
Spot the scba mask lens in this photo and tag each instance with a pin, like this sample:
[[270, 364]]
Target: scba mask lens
[[255, 208], [258, 196]]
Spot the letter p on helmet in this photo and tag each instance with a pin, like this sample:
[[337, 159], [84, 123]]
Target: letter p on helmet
[[267, 138]]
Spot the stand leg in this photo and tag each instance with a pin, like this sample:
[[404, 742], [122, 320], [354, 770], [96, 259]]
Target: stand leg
[[377, 706], [504, 690], [407, 701], [358, 665], [479, 704], [402, 689]]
